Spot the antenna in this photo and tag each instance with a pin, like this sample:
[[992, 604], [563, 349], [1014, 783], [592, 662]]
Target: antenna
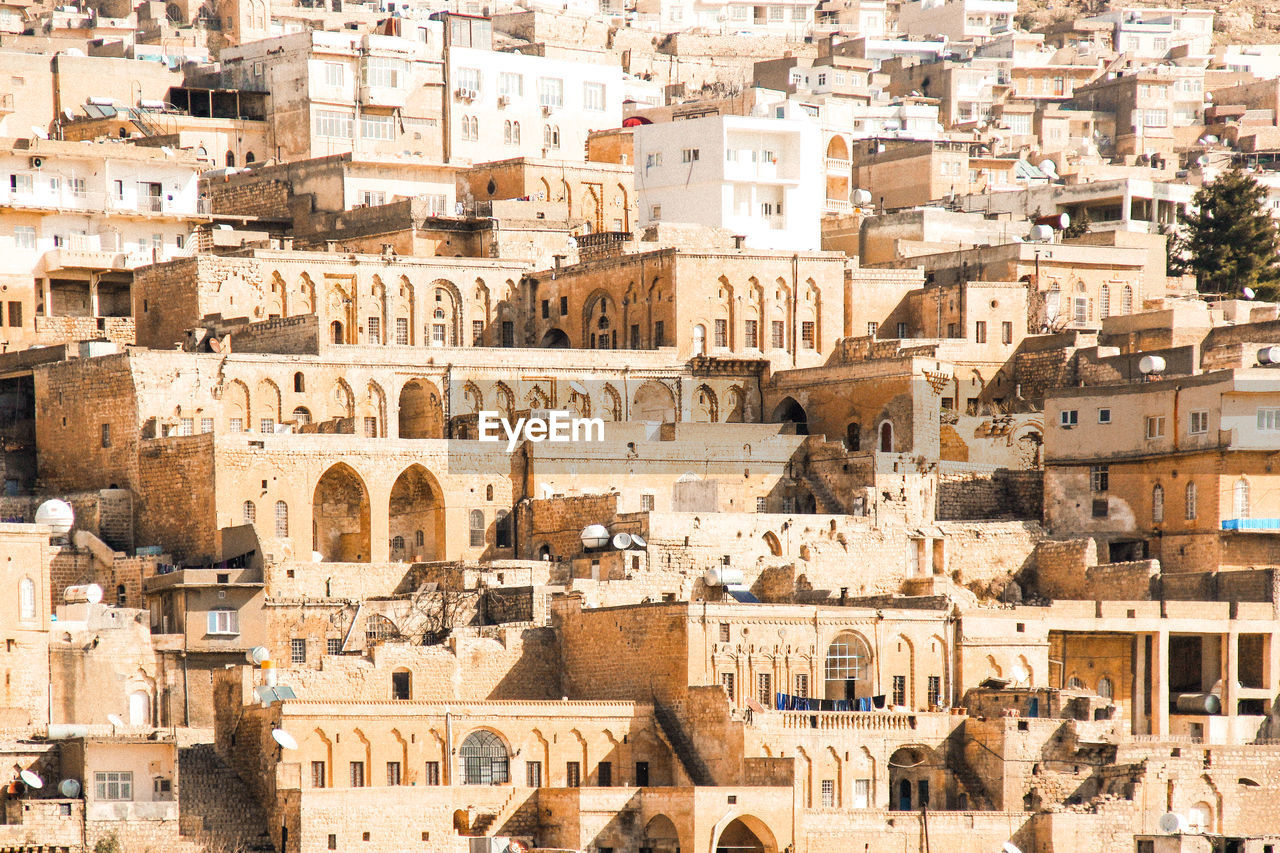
[[622, 541]]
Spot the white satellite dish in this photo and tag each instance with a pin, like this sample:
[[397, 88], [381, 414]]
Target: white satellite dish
[[1249, 293], [1172, 822], [1049, 167], [114, 720], [1019, 674], [1010, 847], [69, 788], [622, 541], [257, 654], [32, 779], [579, 387], [637, 541], [283, 738], [57, 515]]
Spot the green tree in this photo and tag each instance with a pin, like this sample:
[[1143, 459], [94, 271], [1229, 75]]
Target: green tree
[[1230, 242], [1079, 226]]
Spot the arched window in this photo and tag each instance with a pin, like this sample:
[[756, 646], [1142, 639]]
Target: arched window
[[282, 519], [299, 382], [699, 339], [1157, 504], [335, 329], [477, 528], [419, 538], [484, 759], [302, 415], [886, 437], [250, 512], [506, 132], [1105, 688], [1104, 302], [397, 543], [848, 666], [378, 628], [1241, 496], [1126, 300], [853, 437], [231, 159], [488, 492], [1200, 818], [1191, 501], [26, 599], [1074, 683], [249, 158], [515, 133]]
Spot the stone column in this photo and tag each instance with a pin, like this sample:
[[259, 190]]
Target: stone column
[[1231, 672], [1138, 699], [93, 295], [1160, 677]]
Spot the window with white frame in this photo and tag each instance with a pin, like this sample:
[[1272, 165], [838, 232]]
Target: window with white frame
[[468, 78], [335, 124], [1269, 419], [372, 198], [1155, 118], [1199, 423], [373, 126], [861, 793], [511, 85], [24, 236], [1069, 417], [1190, 501], [224, 622], [385, 71], [551, 92], [113, 785], [1155, 426], [21, 184], [593, 96], [1104, 416], [335, 74], [26, 599]]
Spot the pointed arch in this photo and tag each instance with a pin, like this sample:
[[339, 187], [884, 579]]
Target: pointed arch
[[235, 403], [420, 411], [342, 400], [706, 408], [340, 516], [267, 405], [611, 408], [415, 513], [504, 400]]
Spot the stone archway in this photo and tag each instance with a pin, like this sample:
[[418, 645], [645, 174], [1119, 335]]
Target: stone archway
[[791, 412], [421, 414], [415, 515], [340, 516], [654, 402], [661, 836], [745, 834]]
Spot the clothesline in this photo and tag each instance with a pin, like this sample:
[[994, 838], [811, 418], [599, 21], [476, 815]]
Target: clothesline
[[787, 702]]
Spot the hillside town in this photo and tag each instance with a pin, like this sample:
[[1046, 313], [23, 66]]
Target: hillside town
[[848, 424]]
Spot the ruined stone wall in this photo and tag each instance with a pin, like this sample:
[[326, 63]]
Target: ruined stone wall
[[987, 493]]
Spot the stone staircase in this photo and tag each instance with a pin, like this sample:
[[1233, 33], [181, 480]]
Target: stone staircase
[[215, 808], [681, 745], [518, 815], [966, 780]]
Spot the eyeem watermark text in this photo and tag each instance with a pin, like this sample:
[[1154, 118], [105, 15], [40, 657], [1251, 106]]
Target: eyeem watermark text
[[556, 427]]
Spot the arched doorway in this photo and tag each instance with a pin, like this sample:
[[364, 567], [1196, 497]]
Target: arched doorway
[[336, 334], [911, 771], [791, 412], [555, 339], [415, 515], [660, 835], [484, 759], [886, 437], [654, 402], [139, 708], [849, 667], [746, 834], [421, 414], [340, 516]]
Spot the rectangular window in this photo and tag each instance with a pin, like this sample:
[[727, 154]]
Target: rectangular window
[[371, 427], [564, 306], [357, 774], [572, 774], [828, 794], [551, 92], [236, 424], [432, 774], [659, 339], [872, 328], [778, 335], [1069, 417], [726, 681], [298, 650], [468, 78], [1155, 426], [690, 155], [1006, 332], [807, 336], [1155, 118], [511, 85], [533, 773], [762, 504], [935, 691], [375, 330], [1191, 502], [1199, 423], [722, 333], [724, 632], [402, 332], [333, 646], [206, 425], [224, 622], [477, 332], [646, 502], [752, 335], [113, 785], [266, 426], [980, 332], [373, 126], [593, 97], [604, 774], [393, 772], [385, 71], [508, 333], [335, 74], [1101, 507], [1269, 420], [21, 184], [24, 237], [438, 334], [764, 689], [15, 315], [106, 435], [861, 793], [335, 124], [900, 690], [902, 330], [318, 778], [802, 685], [1104, 416], [1099, 478]]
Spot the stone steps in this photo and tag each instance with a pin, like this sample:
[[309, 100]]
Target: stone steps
[[215, 808]]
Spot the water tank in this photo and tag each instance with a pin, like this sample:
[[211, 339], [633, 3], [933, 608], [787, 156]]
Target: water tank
[[1198, 703], [594, 536], [89, 592], [861, 197], [1041, 233], [1269, 355], [723, 576], [1151, 364], [56, 514]]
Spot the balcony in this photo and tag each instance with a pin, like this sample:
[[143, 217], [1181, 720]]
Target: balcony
[[84, 257], [835, 205], [1252, 525], [383, 96], [835, 164]]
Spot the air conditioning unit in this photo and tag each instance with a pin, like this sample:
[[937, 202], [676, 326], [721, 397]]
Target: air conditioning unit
[[37, 162], [546, 110], [503, 100], [465, 93]]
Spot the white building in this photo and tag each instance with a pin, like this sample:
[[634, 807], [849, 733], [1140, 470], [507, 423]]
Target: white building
[[75, 219], [792, 19], [958, 20], [761, 178], [504, 105], [1154, 32]]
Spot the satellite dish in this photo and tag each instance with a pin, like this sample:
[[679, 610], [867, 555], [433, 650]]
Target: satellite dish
[[283, 738], [69, 788], [32, 779], [257, 654], [1049, 167], [637, 541], [1172, 822], [579, 387], [622, 541], [56, 514], [214, 345], [1020, 674], [114, 720], [1010, 847], [1151, 364], [1249, 293]]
